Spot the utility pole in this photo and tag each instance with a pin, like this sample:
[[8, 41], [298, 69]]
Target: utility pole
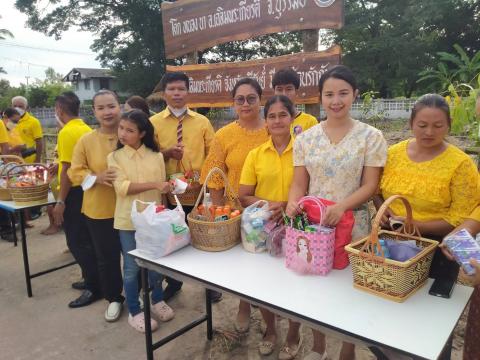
[[310, 40]]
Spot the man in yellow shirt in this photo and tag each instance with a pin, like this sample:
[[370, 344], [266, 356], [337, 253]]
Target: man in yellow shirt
[[15, 145], [29, 129], [70, 197], [287, 82], [184, 137]]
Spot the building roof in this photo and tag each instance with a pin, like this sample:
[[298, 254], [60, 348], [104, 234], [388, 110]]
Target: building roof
[[85, 73]]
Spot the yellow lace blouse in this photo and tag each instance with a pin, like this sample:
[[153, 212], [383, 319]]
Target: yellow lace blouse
[[228, 151], [443, 188]]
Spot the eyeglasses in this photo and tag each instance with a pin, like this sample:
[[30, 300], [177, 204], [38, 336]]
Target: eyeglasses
[[251, 99]]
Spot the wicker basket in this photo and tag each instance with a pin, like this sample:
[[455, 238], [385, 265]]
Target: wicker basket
[[387, 278], [190, 195], [5, 192], [28, 195], [214, 236]]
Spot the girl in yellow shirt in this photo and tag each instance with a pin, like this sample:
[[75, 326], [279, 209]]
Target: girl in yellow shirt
[[439, 180], [140, 174], [228, 151], [267, 175]]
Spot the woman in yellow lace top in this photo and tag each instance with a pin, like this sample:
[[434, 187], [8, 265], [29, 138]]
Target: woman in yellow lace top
[[232, 143], [228, 151], [439, 180]]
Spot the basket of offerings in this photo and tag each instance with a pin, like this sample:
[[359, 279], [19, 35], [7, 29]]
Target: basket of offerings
[[28, 184], [215, 228], [192, 178], [6, 163]]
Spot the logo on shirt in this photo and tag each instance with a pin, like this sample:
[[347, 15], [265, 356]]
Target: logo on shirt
[[297, 130], [324, 3]]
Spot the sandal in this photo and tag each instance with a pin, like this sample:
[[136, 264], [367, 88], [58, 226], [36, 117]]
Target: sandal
[[266, 347], [289, 352], [163, 311], [138, 322]]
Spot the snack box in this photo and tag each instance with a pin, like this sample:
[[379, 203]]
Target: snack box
[[463, 247]]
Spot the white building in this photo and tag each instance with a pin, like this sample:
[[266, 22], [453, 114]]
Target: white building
[[86, 82]]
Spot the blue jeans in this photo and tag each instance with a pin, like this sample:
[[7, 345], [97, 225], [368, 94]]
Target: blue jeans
[[130, 275]]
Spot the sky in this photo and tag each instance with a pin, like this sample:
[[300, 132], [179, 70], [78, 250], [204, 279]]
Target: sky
[[29, 53]]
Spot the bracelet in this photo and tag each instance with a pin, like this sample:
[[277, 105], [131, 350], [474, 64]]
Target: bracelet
[[60, 202]]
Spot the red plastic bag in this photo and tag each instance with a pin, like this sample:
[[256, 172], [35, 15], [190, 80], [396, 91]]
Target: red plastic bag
[[343, 231]]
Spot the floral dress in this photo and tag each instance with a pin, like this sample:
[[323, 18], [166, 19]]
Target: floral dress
[[336, 169]]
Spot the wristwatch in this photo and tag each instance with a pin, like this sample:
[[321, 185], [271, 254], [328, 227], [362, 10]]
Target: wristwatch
[[60, 202]]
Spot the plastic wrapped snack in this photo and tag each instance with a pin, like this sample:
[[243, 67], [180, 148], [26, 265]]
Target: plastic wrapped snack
[[463, 247], [254, 219]]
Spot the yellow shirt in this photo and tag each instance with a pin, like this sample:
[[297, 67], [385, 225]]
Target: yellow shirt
[[4, 138], [443, 188], [134, 166], [230, 147], [29, 129], [269, 171], [197, 137], [90, 157], [302, 123], [67, 138]]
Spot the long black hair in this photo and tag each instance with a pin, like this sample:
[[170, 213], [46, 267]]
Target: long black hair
[[340, 72], [143, 124]]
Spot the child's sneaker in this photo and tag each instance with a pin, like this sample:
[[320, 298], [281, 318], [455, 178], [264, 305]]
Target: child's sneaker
[[163, 311], [138, 322]]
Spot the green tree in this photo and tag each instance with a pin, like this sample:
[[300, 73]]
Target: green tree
[[387, 42]]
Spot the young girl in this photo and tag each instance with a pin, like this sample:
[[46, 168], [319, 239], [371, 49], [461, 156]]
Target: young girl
[[266, 175], [140, 174], [340, 160]]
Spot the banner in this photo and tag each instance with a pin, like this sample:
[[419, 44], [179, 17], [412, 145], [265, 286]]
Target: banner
[[211, 84], [190, 25]]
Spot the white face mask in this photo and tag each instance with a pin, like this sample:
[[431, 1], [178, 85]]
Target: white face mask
[[20, 111]]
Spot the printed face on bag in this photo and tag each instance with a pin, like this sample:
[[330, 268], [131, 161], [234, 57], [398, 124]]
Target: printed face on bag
[[107, 110], [175, 94], [303, 249], [128, 134], [278, 120], [337, 98]]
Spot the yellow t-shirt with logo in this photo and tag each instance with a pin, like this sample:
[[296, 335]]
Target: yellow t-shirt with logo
[[29, 129], [68, 137], [269, 171], [302, 123]]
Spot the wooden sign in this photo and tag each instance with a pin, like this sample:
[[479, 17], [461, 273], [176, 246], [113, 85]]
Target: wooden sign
[[190, 25], [211, 84]]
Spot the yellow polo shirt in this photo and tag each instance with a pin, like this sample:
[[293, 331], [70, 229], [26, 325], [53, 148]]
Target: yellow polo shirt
[[302, 123], [134, 166], [68, 137], [29, 129], [269, 171], [90, 157], [197, 137], [4, 138]]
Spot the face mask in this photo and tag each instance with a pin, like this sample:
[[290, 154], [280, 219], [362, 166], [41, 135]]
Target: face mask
[[20, 111]]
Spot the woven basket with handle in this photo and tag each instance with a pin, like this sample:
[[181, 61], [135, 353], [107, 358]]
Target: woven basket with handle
[[190, 195], [8, 159], [215, 236], [28, 195], [387, 278]]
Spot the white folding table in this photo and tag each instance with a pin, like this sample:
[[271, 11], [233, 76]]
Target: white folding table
[[420, 327], [12, 208]]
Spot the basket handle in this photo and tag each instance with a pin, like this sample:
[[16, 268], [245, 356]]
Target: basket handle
[[14, 158], [317, 202], [408, 227], [207, 179], [9, 176]]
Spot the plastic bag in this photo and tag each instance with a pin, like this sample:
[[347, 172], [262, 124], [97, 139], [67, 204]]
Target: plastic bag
[[159, 233], [254, 219], [276, 234]]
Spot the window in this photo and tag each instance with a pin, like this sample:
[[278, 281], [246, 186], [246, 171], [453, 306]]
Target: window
[[104, 84], [87, 84]]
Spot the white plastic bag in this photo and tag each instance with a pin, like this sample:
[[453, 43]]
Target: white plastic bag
[[254, 219], [159, 234]]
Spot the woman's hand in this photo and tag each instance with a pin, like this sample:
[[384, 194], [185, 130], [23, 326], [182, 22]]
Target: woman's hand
[[107, 177], [165, 187], [472, 279], [175, 152], [276, 207], [446, 252], [385, 220], [293, 208], [333, 215]]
